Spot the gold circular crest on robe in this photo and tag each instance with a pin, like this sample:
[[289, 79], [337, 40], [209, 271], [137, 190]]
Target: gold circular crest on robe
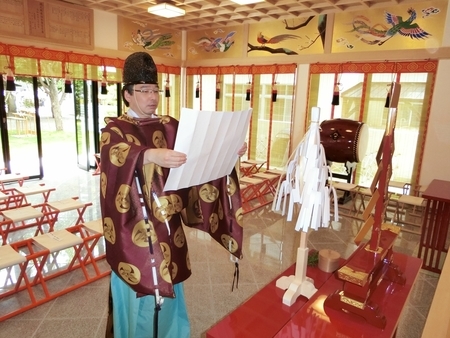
[[146, 193], [159, 140], [209, 193], [164, 272], [231, 186], [188, 261], [150, 169], [103, 183], [179, 238], [240, 216], [152, 233], [117, 131], [165, 249], [139, 234], [177, 203], [133, 139], [109, 232], [118, 154], [129, 273], [174, 270], [164, 119], [105, 138], [194, 209], [123, 199], [229, 243], [158, 169], [214, 222], [165, 206], [162, 208]]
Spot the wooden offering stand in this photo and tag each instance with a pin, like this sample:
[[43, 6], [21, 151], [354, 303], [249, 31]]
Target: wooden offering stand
[[361, 275], [372, 261]]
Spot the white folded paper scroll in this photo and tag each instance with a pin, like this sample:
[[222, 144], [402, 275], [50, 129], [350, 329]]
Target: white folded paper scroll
[[211, 141]]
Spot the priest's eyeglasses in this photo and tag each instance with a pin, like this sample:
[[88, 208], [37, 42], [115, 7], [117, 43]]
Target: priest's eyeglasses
[[148, 91]]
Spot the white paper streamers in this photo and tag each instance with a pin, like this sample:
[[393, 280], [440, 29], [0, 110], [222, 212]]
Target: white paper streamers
[[306, 183]]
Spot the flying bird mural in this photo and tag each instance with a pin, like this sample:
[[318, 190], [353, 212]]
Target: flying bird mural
[[287, 36], [264, 40], [216, 44], [379, 33], [149, 39], [404, 28]]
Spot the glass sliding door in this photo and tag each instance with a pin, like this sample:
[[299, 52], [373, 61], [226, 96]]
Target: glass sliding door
[[90, 106], [38, 133], [83, 99], [4, 152], [56, 115], [47, 132], [21, 151]]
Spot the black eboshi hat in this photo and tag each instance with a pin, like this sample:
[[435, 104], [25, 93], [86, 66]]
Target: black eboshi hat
[[139, 67]]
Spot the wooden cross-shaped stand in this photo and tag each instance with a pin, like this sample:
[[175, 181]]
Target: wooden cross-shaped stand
[[306, 184], [298, 284]]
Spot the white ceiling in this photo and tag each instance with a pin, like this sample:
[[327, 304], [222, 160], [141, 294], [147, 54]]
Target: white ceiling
[[206, 14]]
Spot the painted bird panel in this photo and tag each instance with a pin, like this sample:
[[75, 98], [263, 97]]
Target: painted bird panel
[[263, 40], [404, 28]]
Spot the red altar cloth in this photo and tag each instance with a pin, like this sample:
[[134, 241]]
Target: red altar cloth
[[264, 314]]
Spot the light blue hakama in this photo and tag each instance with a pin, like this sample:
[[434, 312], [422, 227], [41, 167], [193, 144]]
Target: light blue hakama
[[133, 317]]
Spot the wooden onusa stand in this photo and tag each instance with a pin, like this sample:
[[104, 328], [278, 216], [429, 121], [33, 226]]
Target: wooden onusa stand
[[374, 260], [305, 182], [298, 284]]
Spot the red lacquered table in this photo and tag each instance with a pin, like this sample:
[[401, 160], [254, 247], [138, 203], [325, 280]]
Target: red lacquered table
[[264, 314], [314, 321], [435, 225]]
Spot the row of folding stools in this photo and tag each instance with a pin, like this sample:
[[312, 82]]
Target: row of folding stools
[[29, 268], [17, 197], [258, 189], [39, 216]]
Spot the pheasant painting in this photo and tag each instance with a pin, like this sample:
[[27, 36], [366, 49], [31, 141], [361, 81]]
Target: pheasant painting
[[287, 36], [404, 28], [263, 40]]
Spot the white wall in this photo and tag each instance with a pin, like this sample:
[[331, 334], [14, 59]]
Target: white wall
[[105, 30], [436, 159], [446, 36]]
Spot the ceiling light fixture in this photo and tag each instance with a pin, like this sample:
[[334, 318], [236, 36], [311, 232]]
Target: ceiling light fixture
[[246, 2], [166, 10]]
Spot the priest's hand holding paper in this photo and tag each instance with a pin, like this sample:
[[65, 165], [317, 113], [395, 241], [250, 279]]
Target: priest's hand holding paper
[[164, 157]]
